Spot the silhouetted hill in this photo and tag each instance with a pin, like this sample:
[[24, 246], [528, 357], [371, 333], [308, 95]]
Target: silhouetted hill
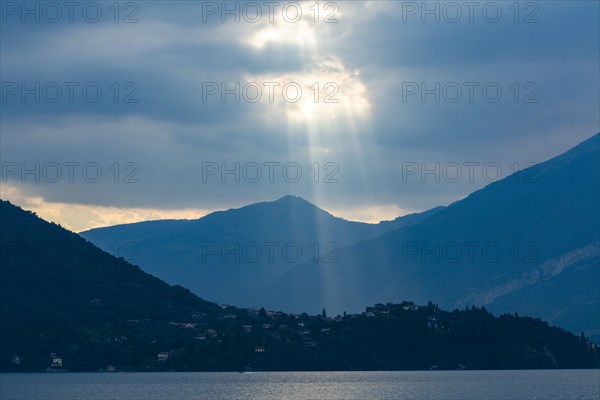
[[50, 274]]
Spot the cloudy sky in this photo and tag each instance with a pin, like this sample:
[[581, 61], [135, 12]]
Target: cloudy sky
[[369, 109]]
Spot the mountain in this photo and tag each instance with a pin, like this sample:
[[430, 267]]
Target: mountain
[[50, 274], [528, 243], [67, 305], [229, 255], [58, 292]]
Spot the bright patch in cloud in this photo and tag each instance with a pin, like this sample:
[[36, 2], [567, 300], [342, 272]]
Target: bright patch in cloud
[[294, 24], [327, 90], [301, 34]]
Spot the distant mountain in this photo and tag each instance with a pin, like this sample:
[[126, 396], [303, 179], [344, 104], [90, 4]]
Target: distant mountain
[[229, 255], [528, 243]]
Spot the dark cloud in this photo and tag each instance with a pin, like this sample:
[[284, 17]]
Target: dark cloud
[[170, 131]]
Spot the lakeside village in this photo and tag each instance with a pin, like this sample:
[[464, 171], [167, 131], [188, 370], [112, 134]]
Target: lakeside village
[[301, 329], [384, 336]]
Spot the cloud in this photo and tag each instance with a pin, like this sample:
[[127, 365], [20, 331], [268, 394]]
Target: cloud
[[376, 48], [325, 90]]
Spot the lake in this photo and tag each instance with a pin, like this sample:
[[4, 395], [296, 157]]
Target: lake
[[443, 385]]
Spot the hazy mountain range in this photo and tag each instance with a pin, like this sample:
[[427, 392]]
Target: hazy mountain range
[[528, 243], [229, 256]]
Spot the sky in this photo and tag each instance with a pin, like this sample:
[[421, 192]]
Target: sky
[[369, 109]]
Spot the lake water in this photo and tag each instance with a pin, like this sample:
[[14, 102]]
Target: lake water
[[430, 385]]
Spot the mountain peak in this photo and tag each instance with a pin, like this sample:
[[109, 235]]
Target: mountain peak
[[293, 200]]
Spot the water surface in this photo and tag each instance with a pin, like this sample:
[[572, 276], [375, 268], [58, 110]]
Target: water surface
[[430, 385]]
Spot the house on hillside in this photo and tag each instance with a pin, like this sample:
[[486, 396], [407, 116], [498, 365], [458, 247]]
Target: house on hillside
[[432, 322], [55, 361]]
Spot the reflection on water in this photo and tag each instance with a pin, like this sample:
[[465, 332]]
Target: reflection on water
[[554, 384]]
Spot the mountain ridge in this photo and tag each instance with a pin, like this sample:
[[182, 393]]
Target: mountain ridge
[[536, 215], [198, 253]]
